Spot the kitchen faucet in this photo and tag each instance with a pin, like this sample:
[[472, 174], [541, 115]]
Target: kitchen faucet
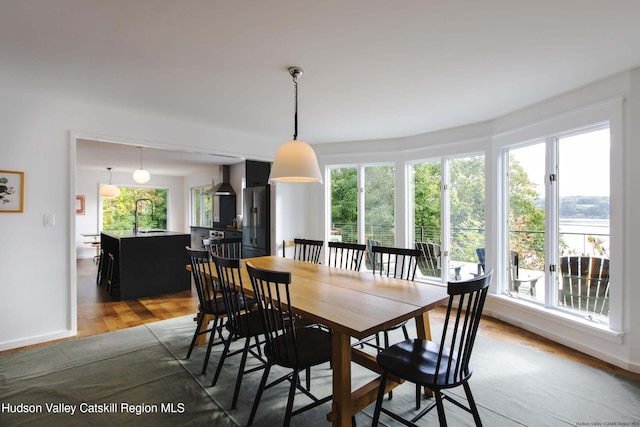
[[135, 224]]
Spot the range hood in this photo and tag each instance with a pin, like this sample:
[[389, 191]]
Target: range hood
[[224, 188]]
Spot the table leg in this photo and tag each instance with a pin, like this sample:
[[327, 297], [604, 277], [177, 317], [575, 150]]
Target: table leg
[[423, 327], [341, 363]]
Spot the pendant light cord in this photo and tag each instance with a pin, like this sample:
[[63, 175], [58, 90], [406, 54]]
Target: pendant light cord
[[295, 120]]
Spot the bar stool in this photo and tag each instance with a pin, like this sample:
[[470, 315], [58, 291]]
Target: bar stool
[[110, 265]]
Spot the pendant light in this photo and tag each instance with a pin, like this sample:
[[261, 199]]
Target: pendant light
[[141, 176], [109, 191], [295, 160]]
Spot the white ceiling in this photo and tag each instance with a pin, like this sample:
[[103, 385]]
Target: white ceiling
[[97, 155], [373, 68]]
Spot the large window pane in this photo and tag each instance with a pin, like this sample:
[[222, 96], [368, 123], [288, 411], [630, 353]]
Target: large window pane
[[467, 216], [344, 205], [119, 213], [583, 195], [379, 204], [201, 207], [526, 254], [427, 212]]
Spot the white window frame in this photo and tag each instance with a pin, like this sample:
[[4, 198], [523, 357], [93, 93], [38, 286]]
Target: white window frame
[[589, 118]]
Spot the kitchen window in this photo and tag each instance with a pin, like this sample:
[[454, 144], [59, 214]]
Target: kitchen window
[[119, 213], [201, 207]]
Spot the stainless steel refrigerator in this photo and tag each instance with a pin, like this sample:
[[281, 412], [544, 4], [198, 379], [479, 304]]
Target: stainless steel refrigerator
[[256, 223]]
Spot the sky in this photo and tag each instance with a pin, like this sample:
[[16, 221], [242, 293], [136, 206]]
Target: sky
[[583, 164]]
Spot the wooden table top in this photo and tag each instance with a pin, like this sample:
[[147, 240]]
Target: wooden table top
[[356, 303]]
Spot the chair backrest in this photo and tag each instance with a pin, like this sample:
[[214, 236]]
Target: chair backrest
[[585, 283], [110, 266], [430, 260], [514, 265], [369, 259], [201, 271], [400, 263], [346, 255], [481, 262], [271, 290], [466, 301], [226, 247], [307, 250], [228, 272]]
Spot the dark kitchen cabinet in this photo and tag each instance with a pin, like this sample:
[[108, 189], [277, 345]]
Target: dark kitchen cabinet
[[224, 211], [257, 173]]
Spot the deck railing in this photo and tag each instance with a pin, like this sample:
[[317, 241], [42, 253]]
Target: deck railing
[[464, 241]]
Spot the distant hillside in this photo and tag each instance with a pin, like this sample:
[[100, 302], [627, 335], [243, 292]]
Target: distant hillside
[[582, 206]]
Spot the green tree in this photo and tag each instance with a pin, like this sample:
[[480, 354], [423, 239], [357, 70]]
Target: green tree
[[526, 219], [119, 213], [467, 206], [467, 202], [344, 202], [427, 181]]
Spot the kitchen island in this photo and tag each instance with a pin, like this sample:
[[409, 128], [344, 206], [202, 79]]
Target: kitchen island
[[147, 263]]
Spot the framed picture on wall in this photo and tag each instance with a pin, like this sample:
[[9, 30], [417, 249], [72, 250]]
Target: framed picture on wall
[[80, 204], [11, 191]]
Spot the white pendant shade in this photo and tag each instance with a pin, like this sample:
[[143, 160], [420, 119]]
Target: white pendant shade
[[141, 176], [295, 161], [109, 191]]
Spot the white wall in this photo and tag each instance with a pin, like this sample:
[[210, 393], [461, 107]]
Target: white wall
[[621, 346], [37, 300], [289, 204]]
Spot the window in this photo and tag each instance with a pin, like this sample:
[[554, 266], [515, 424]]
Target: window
[[362, 204], [201, 207], [526, 219], [379, 204], [150, 204], [558, 222], [449, 215], [344, 205]]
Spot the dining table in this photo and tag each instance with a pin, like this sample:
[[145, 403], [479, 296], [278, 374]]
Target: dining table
[[354, 305]]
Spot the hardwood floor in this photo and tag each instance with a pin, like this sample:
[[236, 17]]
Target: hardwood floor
[[99, 313]]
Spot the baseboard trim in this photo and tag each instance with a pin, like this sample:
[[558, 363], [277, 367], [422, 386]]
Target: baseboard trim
[[10, 345]]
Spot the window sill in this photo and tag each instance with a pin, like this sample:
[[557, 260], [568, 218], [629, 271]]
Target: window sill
[[502, 306]]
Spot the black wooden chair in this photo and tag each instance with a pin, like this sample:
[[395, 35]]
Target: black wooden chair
[[226, 247], [399, 263], [286, 345], [585, 284], [347, 256], [444, 365], [307, 250], [241, 321], [211, 302]]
